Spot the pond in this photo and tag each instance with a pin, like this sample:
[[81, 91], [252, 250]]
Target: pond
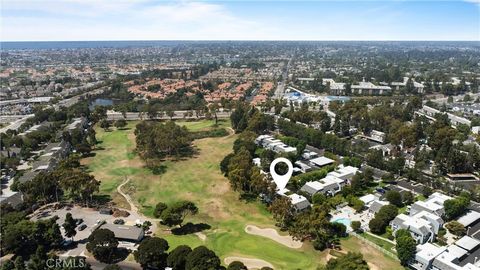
[[100, 102]]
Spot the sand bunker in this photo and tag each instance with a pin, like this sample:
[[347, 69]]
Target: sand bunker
[[249, 262], [273, 235]]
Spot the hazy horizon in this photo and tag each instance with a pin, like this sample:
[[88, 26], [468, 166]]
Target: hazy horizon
[[139, 20]]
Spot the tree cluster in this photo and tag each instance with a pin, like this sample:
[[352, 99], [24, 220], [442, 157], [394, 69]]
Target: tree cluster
[[157, 140], [381, 220]]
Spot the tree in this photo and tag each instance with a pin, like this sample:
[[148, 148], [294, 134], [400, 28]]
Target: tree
[[120, 123], [176, 213], [202, 258], [426, 191], [405, 246], [408, 198], [236, 265], [70, 225], [159, 208], [350, 261], [376, 225], [77, 184], [394, 197], [103, 245], [19, 263], [152, 253], [455, 227], [105, 124], [456, 207], [356, 225], [282, 211], [156, 140], [382, 218], [319, 198], [83, 148], [178, 257], [38, 260], [8, 265]]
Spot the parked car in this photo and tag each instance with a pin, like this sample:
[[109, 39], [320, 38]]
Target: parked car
[[82, 227], [119, 221], [67, 242], [79, 221], [105, 211]]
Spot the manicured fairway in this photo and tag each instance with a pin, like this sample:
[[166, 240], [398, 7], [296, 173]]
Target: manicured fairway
[[197, 179]]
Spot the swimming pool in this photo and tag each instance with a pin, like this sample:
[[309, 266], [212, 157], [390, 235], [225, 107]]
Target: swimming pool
[[344, 221]]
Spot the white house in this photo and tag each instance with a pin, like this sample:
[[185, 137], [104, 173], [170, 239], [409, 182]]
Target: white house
[[344, 172], [425, 255], [420, 229], [368, 199], [434, 204], [458, 256], [329, 185], [376, 205], [299, 202], [469, 219], [368, 88], [303, 166], [321, 161]]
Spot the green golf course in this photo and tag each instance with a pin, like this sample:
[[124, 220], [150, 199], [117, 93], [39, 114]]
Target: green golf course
[[199, 180]]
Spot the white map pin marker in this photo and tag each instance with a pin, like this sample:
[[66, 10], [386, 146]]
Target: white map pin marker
[[281, 180]]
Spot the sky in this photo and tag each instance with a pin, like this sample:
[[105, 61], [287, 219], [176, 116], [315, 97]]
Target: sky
[[72, 20]]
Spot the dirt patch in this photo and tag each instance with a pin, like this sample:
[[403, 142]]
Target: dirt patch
[[201, 235], [273, 235], [250, 263], [214, 208]]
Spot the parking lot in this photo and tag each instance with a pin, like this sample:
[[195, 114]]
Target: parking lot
[[91, 218]]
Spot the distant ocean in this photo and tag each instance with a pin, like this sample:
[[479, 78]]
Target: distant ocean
[[22, 45], [26, 45]]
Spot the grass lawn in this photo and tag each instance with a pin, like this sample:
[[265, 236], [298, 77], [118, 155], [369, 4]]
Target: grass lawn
[[382, 243], [371, 255], [198, 179]]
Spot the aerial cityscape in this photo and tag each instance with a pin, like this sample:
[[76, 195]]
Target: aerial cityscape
[[245, 135]]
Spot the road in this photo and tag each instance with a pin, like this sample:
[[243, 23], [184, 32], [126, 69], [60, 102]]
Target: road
[[131, 116], [15, 124], [280, 91], [73, 100]]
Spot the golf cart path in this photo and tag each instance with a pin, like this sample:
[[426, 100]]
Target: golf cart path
[[133, 208], [273, 235], [250, 263]]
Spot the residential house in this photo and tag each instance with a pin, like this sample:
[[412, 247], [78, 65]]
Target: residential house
[[469, 219], [376, 205], [434, 205], [330, 185], [369, 199], [368, 88], [421, 229], [425, 255], [321, 161], [299, 202], [344, 172]]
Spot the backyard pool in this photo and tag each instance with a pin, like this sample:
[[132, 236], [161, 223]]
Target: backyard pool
[[344, 221]]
